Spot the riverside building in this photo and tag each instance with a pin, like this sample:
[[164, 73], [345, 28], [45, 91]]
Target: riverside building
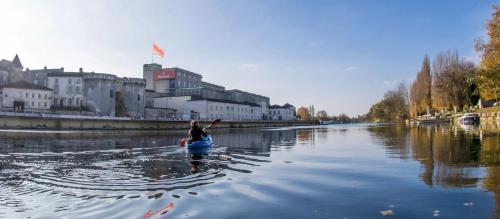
[[22, 96]]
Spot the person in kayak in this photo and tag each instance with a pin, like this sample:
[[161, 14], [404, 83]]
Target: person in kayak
[[196, 133]]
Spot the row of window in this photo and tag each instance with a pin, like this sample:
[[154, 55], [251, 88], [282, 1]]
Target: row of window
[[33, 95], [39, 104], [70, 80], [229, 108], [274, 112], [69, 89], [189, 76], [67, 101], [187, 84]]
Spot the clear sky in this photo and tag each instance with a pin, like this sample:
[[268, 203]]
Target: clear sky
[[340, 56]]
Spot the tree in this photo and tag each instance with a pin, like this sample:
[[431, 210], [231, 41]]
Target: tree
[[450, 79], [392, 107], [489, 68], [119, 105], [303, 113], [420, 91], [322, 115]]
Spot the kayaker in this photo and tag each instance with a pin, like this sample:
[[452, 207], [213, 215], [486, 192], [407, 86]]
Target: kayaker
[[195, 133]]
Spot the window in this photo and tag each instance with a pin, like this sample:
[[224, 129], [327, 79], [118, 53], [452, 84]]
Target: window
[[77, 90], [26, 94], [78, 81], [44, 104], [33, 95], [70, 81], [32, 104], [138, 97], [57, 80], [77, 101], [45, 96], [179, 83], [35, 82], [39, 96], [111, 93]]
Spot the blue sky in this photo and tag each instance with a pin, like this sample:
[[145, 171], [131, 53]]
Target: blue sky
[[340, 56]]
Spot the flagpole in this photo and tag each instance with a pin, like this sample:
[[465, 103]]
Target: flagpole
[[152, 53]]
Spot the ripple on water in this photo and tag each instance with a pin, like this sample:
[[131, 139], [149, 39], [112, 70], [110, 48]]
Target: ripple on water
[[95, 182]]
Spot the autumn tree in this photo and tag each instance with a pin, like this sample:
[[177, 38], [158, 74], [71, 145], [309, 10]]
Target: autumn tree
[[489, 69], [322, 115], [392, 107], [420, 90], [450, 76], [303, 113]]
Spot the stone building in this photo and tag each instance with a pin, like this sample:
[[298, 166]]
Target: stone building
[[39, 76], [213, 91], [285, 112], [210, 109], [10, 71], [99, 93], [68, 89], [22, 96], [172, 81], [132, 90]]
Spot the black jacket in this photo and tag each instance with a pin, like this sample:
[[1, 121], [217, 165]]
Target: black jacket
[[195, 134]]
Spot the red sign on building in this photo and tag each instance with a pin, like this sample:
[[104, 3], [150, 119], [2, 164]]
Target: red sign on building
[[164, 74]]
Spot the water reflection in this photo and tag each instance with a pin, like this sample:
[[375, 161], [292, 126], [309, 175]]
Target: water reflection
[[450, 156], [125, 174]]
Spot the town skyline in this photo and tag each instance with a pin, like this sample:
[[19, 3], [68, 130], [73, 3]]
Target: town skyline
[[273, 52]]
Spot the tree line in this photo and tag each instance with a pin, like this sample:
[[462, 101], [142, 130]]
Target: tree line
[[449, 83]]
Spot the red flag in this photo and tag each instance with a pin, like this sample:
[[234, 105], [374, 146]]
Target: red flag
[[157, 50]]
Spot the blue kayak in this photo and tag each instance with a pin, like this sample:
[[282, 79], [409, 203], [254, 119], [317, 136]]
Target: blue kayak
[[201, 147]]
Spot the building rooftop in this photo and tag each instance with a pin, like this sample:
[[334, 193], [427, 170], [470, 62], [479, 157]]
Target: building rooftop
[[185, 71], [25, 85], [65, 74], [286, 106], [17, 62]]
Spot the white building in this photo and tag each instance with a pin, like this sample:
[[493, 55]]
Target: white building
[[210, 109], [68, 89], [23, 96], [285, 112]]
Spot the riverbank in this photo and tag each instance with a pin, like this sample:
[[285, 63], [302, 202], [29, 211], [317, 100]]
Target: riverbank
[[24, 122], [487, 115]]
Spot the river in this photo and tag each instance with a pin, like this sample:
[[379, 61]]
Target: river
[[336, 171]]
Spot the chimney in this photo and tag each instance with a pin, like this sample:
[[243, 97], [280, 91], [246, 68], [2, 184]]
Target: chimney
[[44, 67], [81, 70], [62, 69]]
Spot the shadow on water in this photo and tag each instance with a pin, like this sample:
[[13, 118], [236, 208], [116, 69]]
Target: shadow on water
[[450, 156]]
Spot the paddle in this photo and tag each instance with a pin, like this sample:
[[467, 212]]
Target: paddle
[[184, 140]]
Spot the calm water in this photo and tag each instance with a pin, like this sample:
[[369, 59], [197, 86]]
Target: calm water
[[339, 171]]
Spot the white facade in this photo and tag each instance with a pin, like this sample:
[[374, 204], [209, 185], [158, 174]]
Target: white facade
[[225, 110], [282, 113], [25, 99], [68, 89]]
